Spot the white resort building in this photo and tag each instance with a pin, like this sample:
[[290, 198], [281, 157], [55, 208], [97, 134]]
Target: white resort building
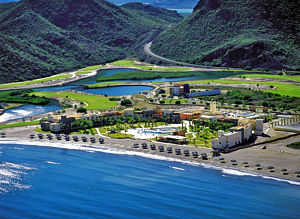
[[237, 135]]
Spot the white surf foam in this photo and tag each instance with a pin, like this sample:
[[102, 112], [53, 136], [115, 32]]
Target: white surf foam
[[7, 173], [237, 172], [20, 112], [52, 162], [177, 168], [93, 149], [11, 174], [16, 166], [6, 116]]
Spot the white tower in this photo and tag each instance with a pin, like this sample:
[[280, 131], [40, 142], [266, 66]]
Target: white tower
[[259, 127], [213, 107]]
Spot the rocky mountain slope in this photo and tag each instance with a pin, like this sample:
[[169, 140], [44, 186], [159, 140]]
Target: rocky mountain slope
[[239, 33], [42, 37]]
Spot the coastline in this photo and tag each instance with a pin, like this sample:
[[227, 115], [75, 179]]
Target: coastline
[[252, 156]]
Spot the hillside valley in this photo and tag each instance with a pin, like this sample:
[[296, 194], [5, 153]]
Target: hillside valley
[[45, 37], [247, 34]]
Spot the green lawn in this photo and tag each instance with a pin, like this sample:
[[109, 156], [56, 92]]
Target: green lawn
[[41, 131], [56, 77], [243, 70], [83, 72], [91, 68], [36, 122], [130, 63], [104, 84], [173, 101], [279, 77], [90, 131], [118, 135], [295, 145], [281, 88], [94, 102]]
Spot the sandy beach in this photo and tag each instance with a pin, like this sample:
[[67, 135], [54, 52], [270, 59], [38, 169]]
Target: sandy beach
[[276, 161]]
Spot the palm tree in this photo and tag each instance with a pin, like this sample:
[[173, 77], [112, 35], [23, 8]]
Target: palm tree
[[118, 123], [131, 121]]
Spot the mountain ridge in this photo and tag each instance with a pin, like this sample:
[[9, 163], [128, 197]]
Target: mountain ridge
[[45, 37], [226, 33]]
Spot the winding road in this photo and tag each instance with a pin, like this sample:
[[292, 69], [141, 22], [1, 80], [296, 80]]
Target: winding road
[[147, 50]]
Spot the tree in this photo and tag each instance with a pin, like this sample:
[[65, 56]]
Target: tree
[[131, 121], [118, 123], [265, 104], [81, 110], [126, 102]]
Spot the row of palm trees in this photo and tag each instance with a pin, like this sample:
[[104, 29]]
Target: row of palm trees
[[118, 121]]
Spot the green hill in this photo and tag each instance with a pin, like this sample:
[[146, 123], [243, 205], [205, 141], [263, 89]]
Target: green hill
[[240, 33], [39, 38]]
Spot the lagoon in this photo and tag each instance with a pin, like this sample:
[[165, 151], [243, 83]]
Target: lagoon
[[119, 90]]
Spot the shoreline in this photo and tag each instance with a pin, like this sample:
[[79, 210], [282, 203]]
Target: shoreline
[[116, 150], [252, 156]]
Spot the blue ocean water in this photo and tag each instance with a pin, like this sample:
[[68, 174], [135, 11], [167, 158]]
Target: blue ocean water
[[48, 182]]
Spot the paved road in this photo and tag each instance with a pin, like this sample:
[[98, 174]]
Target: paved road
[[147, 50]]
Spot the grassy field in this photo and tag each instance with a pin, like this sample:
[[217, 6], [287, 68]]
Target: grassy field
[[56, 77], [118, 135], [243, 70], [91, 68], [130, 63], [104, 84], [295, 145], [83, 72], [41, 131], [281, 88], [36, 122], [94, 102], [91, 131], [279, 77], [173, 101]]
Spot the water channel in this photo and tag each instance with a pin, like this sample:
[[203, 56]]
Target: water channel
[[27, 111]]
